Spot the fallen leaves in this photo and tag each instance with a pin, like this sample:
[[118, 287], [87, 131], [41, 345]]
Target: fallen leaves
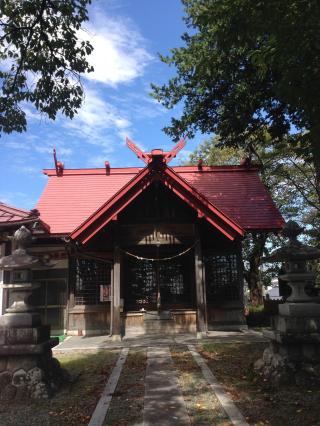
[[261, 403]]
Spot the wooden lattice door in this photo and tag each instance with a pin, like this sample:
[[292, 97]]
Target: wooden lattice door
[[157, 285]]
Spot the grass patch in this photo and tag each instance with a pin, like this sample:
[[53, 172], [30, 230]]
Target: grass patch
[[258, 317], [61, 337], [260, 403], [126, 406], [74, 403], [202, 405]]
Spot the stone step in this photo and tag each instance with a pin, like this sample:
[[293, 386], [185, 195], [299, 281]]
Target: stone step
[[157, 316], [165, 331]]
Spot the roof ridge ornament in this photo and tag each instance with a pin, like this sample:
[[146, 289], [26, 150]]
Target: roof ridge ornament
[[149, 157], [58, 165]]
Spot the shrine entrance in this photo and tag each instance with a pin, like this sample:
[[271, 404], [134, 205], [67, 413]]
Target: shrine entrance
[[153, 284]]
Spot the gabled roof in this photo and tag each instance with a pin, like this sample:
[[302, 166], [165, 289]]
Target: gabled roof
[[10, 215], [81, 202], [138, 184], [235, 191]]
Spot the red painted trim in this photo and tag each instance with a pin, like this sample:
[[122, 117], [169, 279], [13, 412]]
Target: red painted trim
[[135, 170], [204, 201], [108, 206], [137, 185], [113, 171]]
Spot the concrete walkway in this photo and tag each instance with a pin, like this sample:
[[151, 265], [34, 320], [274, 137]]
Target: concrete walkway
[[163, 402], [81, 343]]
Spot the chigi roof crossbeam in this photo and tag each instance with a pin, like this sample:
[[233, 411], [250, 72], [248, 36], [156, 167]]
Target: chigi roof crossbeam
[[148, 157]]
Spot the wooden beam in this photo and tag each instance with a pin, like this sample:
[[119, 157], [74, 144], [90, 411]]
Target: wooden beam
[[116, 326], [200, 289]]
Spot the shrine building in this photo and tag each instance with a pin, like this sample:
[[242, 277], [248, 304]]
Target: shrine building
[[152, 249]]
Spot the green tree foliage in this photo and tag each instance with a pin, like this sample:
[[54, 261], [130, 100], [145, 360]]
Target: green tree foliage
[[41, 59], [246, 66], [291, 182]]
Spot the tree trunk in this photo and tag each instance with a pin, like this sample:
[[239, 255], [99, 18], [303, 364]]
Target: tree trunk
[[315, 147], [254, 283], [253, 273]]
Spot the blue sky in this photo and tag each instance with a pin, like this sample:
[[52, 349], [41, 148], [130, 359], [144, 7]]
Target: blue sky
[[127, 36]]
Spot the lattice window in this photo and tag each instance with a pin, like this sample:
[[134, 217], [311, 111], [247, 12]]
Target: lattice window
[[143, 278], [141, 284], [93, 281], [222, 277], [171, 281]]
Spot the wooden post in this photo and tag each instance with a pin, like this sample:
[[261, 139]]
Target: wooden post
[[199, 278], [116, 326]]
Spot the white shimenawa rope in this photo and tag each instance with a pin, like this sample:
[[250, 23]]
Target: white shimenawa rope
[[162, 258]]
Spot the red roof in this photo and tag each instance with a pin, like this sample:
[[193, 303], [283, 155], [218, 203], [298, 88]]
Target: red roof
[[11, 215], [138, 184], [237, 192]]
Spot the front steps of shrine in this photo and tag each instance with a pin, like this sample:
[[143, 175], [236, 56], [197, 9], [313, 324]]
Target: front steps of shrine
[[163, 322]]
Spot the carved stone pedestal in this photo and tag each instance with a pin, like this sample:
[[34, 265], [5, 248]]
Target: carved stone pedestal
[[293, 355], [27, 368]]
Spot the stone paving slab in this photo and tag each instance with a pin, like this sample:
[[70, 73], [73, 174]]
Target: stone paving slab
[[102, 407], [163, 403], [227, 404], [72, 343]]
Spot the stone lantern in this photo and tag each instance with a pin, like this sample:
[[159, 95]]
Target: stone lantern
[[27, 368], [293, 354]]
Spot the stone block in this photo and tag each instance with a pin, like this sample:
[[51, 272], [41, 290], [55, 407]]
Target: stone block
[[287, 324], [39, 391], [26, 335], [3, 363], [5, 379], [267, 356], [8, 393], [2, 335], [258, 365], [34, 376], [277, 361], [300, 309], [22, 361], [19, 377], [309, 351], [22, 392], [21, 320]]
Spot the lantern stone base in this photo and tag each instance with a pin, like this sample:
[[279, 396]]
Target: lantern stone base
[[27, 368], [293, 355]]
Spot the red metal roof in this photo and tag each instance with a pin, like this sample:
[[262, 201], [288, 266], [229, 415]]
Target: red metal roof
[[137, 185], [240, 194], [236, 191], [9, 214]]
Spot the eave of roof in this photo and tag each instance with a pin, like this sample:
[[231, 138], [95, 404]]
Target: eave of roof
[[236, 191], [12, 217], [138, 184]]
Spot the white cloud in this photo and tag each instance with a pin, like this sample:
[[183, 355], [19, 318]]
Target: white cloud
[[120, 54], [97, 120], [18, 199]]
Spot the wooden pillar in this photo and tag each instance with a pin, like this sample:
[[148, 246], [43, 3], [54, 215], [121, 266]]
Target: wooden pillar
[[200, 289], [116, 320]]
